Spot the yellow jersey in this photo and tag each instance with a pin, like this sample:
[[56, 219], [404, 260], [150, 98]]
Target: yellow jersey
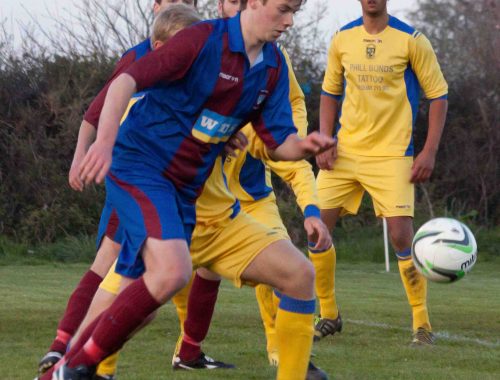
[[249, 174], [378, 79]]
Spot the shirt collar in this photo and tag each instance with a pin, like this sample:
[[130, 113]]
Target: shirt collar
[[237, 44]]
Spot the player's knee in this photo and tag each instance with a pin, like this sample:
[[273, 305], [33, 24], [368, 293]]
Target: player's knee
[[179, 281], [308, 274], [400, 240], [301, 284]]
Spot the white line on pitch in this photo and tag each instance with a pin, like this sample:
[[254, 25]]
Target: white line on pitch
[[441, 334]]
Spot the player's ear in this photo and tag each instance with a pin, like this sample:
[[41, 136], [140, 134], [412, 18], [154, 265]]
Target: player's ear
[[156, 8], [157, 44]]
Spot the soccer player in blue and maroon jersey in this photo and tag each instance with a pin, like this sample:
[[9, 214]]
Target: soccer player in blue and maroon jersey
[[109, 236], [224, 73]]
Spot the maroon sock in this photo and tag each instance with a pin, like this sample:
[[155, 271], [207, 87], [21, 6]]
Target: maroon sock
[[116, 324], [77, 308], [84, 337], [201, 305]]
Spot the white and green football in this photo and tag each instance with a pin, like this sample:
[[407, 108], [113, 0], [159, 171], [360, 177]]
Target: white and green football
[[444, 250]]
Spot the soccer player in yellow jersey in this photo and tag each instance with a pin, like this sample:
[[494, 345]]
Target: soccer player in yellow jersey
[[249, 179], [376, 66]]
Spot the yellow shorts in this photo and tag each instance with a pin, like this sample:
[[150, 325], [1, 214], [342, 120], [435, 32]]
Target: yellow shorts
[[266, 211], [386, 179], [227, 249], [111, 283]]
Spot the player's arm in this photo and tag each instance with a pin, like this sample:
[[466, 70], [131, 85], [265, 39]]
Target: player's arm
[[86, 136], [294, 148], [166, 64], [328, 111], [87, 132], [300, 177], [299, 174], [331, 92], [426, 67], [424, 162]]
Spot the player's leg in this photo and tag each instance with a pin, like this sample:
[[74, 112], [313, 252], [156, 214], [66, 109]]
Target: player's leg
[[415, 284], [104, 297], [168, 269], [268, 308], [266, 212], [180, 300], [155, 243], [200, 309], [325, 261], [387, 181], [79, 301], [339, 193], [294, 319]]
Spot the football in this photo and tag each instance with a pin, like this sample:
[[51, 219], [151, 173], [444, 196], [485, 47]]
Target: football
[[444, 250]]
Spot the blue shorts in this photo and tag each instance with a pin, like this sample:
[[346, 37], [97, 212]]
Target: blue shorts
[[109, 225], [147, 206]]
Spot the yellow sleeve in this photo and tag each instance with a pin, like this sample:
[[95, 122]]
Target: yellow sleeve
[[299, 175], [424, 63], [256, 146], [297, 99], [333, 83]]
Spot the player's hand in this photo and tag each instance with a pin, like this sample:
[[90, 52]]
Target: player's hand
[[326, 159], [96, 163], [238, 141], [317, 233], [423, 166], [316, 143], [74, 174]]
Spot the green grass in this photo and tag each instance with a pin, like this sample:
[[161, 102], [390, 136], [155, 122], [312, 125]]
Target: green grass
[[373, 345]]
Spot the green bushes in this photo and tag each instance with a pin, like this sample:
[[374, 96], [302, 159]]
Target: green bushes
[[43, 94], [41, 105]]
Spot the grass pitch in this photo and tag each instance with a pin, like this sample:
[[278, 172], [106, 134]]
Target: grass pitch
[[373, 345]]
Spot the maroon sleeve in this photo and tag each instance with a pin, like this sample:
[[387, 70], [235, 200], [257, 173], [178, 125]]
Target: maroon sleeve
[[94, 111], [173, 60]]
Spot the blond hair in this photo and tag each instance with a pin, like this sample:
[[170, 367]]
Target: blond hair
[[172, 19]]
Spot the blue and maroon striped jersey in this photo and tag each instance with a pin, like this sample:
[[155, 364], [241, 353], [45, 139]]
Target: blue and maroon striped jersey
[[197, 90]]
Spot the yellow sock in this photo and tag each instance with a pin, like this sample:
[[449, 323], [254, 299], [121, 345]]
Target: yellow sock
[[416, 290], [324, 264], [294, 330], [180, 300], [108, 366], [268, 306]]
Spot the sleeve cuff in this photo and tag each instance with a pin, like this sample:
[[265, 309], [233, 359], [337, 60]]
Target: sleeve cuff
[[336, 97], [312, 210], [445, 96]]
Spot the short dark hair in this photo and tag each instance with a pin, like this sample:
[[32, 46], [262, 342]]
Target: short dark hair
[[243, 3]]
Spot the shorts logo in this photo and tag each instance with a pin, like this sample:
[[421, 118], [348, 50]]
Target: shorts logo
[[214, 128], [370, 51], [404, 206]]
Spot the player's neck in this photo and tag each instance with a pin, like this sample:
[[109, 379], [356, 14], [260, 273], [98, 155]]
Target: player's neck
[[253, 45], [375, 23]]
